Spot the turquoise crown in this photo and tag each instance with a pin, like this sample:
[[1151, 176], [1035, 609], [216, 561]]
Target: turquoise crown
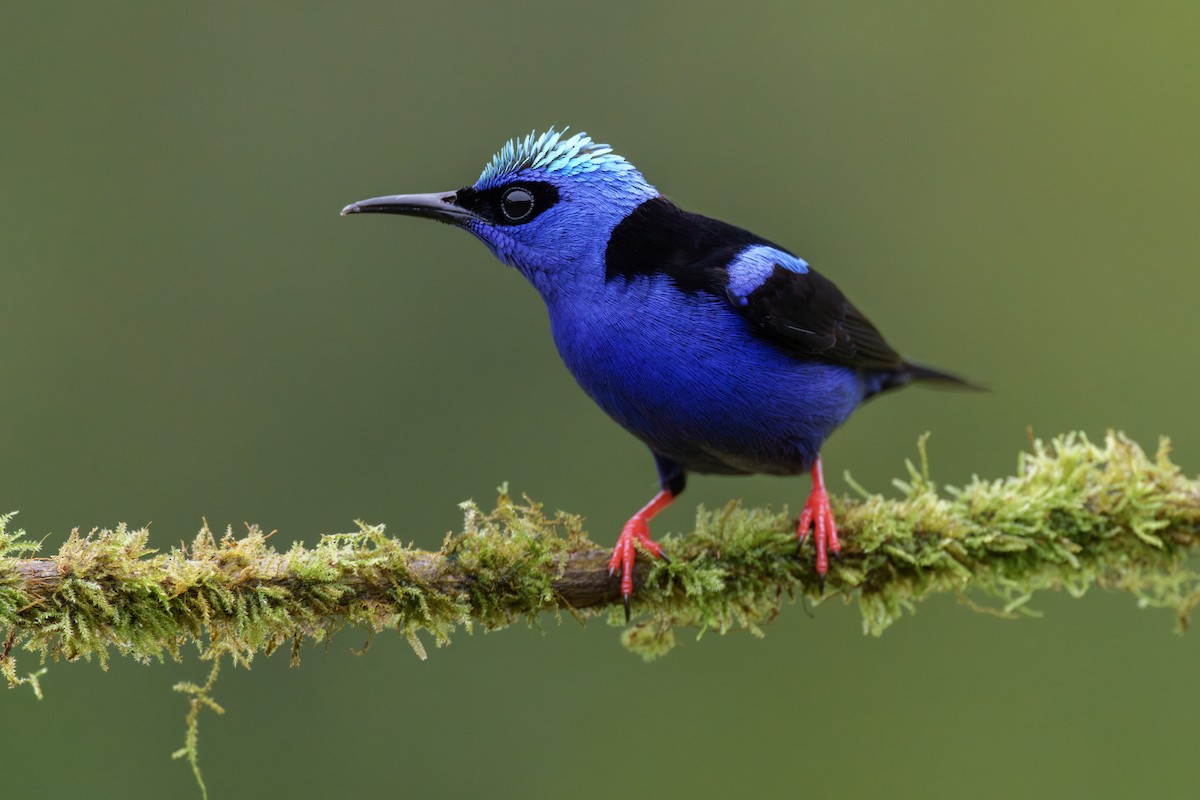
[[551, 152]]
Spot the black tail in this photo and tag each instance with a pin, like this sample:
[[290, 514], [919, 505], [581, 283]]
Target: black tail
[[917, 372]]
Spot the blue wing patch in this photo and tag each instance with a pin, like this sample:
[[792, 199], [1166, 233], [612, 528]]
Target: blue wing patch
[[750, 269]]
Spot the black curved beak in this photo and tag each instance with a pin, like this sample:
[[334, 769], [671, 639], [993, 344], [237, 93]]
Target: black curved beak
[[441, 206]]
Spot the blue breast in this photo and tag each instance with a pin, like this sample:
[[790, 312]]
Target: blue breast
[[683, 372]]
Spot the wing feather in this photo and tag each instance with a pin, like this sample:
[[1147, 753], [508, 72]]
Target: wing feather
[[803, 311]]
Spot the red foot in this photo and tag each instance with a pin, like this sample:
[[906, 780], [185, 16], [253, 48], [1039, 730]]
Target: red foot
[[636, 531], [819, 517]]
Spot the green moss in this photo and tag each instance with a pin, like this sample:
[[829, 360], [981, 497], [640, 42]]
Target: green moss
[[199, 698], [1075, 514]]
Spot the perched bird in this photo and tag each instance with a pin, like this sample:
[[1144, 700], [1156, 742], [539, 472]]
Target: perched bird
[[723, 352]]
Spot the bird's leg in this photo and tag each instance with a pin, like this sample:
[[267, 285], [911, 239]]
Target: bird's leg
[[672, 477], [819, 517], [637, 531]]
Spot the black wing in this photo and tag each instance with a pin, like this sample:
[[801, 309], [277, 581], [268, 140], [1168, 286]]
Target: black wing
[[786, 302], [801, 310]]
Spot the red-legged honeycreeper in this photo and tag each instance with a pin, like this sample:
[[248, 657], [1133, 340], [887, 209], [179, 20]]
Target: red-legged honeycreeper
[[721, 351]]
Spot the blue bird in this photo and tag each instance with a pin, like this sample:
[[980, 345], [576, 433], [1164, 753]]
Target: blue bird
[[721, 351]]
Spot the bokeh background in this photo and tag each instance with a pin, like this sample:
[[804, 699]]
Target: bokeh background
[[190, 331]]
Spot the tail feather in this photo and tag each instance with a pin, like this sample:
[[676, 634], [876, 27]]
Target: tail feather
[[920, 372], [910, 372]]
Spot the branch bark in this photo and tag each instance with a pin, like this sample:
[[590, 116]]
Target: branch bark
[[582, 580]]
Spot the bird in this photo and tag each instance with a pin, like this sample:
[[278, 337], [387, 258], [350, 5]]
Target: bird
[[721, 351]]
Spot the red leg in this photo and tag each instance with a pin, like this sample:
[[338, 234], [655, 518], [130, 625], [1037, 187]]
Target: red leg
[[818, 515], [637, 531]]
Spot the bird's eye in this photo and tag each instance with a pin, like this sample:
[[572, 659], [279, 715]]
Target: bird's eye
[[517, 203]]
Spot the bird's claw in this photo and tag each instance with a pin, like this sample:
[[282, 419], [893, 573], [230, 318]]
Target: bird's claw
[[635, 533], [818, 517]]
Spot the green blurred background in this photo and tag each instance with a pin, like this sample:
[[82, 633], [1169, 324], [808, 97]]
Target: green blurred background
[[190, 330]]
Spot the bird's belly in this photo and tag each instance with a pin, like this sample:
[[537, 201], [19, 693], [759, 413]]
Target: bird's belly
[[701, 389]]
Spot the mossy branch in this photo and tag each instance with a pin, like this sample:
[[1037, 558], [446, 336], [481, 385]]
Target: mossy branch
[[1075, 514]]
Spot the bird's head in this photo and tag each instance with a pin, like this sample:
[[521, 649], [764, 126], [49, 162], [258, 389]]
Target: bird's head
[[545, 204]]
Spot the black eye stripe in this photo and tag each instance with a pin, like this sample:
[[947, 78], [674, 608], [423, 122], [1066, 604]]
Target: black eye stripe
[[490, 204]]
